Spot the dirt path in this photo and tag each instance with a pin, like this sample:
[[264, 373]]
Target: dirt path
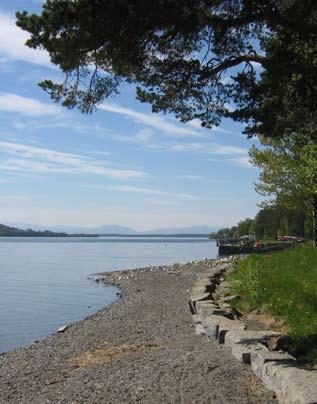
[[142, 349]]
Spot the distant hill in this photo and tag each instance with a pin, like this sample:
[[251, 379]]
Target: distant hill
[[183, 230], [109, 229], [113, 229], [116, 229], [7, 231]]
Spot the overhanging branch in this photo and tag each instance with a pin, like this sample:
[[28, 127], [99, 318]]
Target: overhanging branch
[[227, 64]]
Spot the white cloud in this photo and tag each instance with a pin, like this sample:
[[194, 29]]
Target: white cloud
[[190, 177], [67, 123], [195, 123], [150, 191], [142, 136], [12, 40], [226, 80], [242, 161], [131, 189], [41, 160], [151, 120], [164, 202], [229, 107], [100, 152], [7, 181], [142, 190], [199, 147], [15, 198], [27, 106], [256, 65], [221, 149]]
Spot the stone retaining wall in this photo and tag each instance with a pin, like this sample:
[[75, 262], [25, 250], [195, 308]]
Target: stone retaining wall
[[215, 318]]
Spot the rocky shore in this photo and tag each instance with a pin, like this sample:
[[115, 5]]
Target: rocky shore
[[141, 349]]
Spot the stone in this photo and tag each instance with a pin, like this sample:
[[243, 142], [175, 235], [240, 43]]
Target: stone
[[291, 384], [244, 342], [217, 326], [225, 312], [260, 357], [226, 325], [224, 267], [281, 342], [218, 312], [213, 310], [231, 298], [250, 337], [213, 273], [199, 289], [200, 330], [204, 308], [202, 283], [62, 329], [224, 306], [196, 319], [209, 286], [211, 326], [195, 298]]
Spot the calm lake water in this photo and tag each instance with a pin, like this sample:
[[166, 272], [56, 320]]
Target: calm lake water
[[44, 285]]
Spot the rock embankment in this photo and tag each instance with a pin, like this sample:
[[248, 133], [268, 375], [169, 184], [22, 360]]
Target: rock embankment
[[141, 349], [214, 317]]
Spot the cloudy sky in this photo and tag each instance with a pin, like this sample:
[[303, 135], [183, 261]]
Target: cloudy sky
[[122, 165]]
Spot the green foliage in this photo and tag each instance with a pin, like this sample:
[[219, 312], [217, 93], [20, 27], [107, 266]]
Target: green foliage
[[191, 58], [243, 227], [289, 173], [285, 285], [288, 169], [270, 222]]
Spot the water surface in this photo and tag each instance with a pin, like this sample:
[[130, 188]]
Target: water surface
[[44, 285]]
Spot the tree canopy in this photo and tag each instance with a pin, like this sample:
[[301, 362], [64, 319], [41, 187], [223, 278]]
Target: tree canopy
[[289, 172], [269, 223], [197, 59]]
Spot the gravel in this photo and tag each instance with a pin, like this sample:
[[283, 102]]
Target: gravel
[[141, 349]]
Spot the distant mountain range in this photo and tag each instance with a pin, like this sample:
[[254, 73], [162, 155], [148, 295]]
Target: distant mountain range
[[116, 229]]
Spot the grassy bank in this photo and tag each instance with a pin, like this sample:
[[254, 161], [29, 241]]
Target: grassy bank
[[284, 285]]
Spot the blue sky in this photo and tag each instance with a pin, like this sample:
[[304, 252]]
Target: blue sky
[[122, 165]]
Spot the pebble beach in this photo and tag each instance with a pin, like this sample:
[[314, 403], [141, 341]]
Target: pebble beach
[[140, 349]]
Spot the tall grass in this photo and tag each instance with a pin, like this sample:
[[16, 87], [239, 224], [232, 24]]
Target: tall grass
[[285, 285]]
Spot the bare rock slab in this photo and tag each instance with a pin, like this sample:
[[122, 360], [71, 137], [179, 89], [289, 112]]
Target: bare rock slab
[[243, 343], [204, 308], [200, 330], [291, 384], [260, 357], [217, 326]]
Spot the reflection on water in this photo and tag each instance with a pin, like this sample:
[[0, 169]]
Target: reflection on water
[[43, 282]]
